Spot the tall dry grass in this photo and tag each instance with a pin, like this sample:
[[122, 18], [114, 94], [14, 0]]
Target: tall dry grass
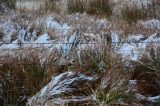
[[112, 82], [102, 7], [135, 13], [51, 6], [23, 75]]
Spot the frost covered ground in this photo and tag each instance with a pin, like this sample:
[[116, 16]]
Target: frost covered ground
[[67, 38]]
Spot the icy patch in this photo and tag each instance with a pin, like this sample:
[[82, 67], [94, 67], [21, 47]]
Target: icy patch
[[13, 45], [136, 45], [135, 38], [115, 39], [52, 24], [128, 50], [102, 23], [155, 99], [43, 40], [69, 43], [74, 99], [153, 24], [132, 82]]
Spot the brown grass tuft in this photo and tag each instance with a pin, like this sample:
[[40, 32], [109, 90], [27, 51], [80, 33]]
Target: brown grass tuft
[[24, 75]]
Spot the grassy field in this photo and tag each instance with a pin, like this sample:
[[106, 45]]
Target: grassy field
[[25, 71]]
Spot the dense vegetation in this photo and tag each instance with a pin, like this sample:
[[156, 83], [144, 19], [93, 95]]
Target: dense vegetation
[[24, 74], [9, 3]]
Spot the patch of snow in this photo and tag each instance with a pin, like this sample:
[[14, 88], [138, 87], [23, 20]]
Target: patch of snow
[[102, 23], [136, 45], [132, 82], [140, 97], [52, 24], [135, 38], [13, 45], [21, 34], [155, 99], [68, 44], [152, 39], [74, 99], [115, 39], [153, 24], [128, 50], [43, 40]]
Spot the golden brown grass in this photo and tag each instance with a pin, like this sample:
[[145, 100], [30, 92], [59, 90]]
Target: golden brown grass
[[113, 79], [27, 75], [24, 75], [124, 29], [51, 6], [147, 72]]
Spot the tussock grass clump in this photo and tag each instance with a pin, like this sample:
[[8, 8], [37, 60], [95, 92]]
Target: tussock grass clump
[[24, 75], [94, 61], [90, 7], [114, 83], [147, 73], [111, 87], [152, 60]]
